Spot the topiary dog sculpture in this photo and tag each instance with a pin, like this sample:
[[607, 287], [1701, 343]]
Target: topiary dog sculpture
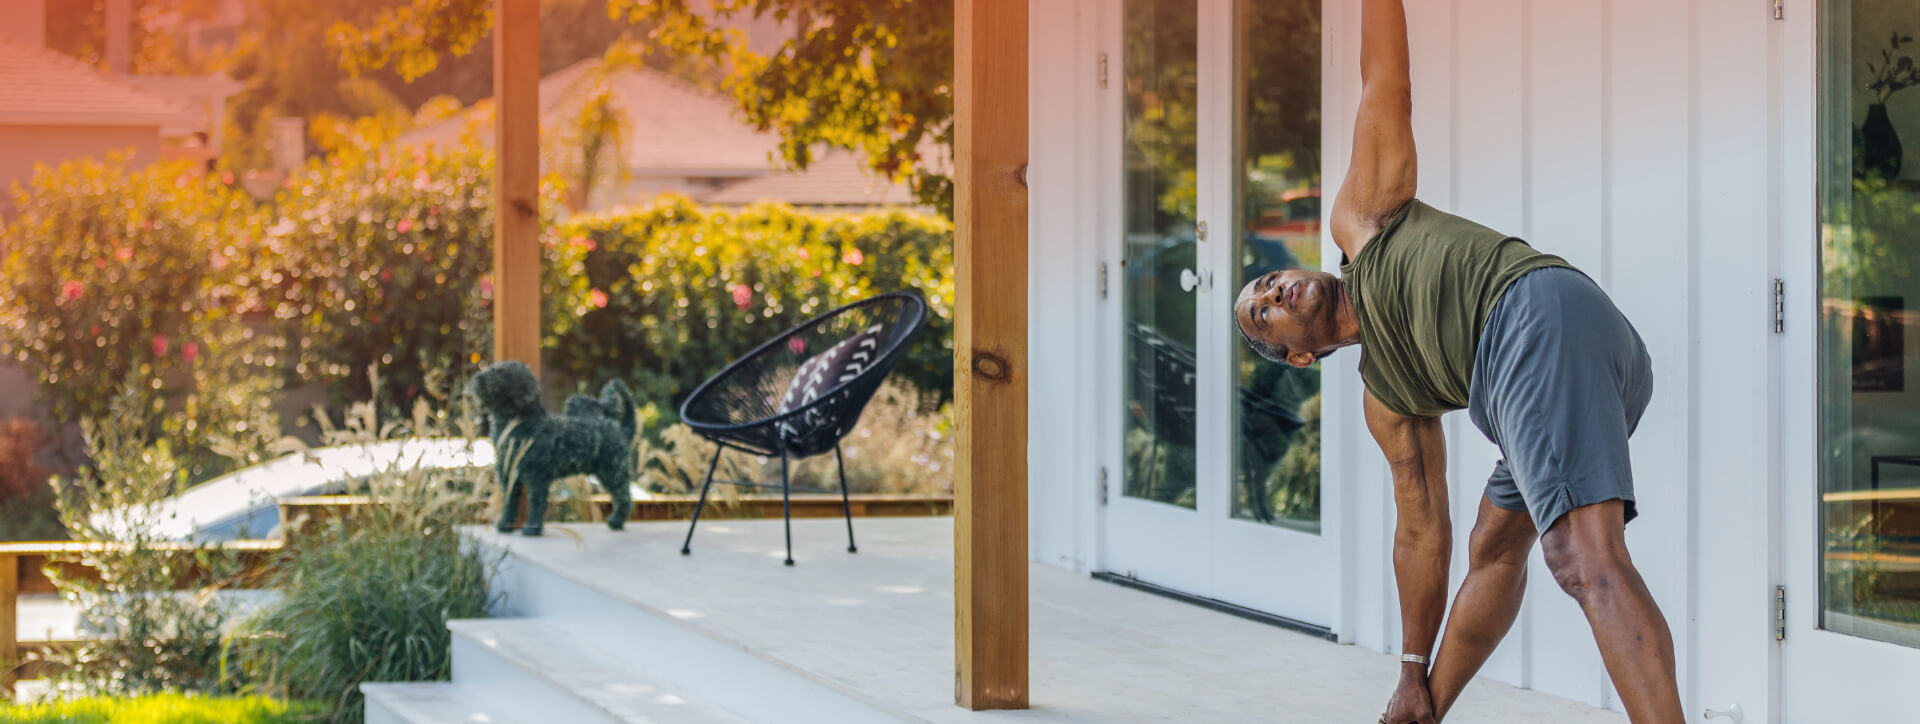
[[532, 448]]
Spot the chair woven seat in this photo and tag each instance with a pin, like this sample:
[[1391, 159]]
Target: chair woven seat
[[798, 394]]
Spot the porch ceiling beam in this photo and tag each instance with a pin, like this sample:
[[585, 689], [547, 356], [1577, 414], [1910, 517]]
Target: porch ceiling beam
[[516, 187], [990, 353]]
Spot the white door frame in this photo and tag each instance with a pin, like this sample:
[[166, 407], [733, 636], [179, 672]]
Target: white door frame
[[1204, 552], [1823, 675]]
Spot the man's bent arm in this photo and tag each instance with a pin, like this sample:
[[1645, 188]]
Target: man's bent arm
[[1384, 172], [1415, 448]]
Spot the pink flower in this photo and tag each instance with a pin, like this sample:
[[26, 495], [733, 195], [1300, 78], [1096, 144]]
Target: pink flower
[[853, 256], [404, 226], [227, 178], [486, 285], [190, 351], [742, 295], [159, 345], [386, 275], [597, 298], [421, 180], [72, 290], [796, 345], [802, 252], [123, 253], [581, 242]]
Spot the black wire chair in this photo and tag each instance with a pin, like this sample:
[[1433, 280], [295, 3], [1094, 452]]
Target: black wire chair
[[798, 394]]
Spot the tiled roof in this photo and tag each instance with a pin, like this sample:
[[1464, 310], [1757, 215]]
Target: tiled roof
[[44, 87], [674, 128], [835, 178]]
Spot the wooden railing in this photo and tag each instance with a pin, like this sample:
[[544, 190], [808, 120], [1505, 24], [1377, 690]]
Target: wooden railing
[[23, 566], [23, 570]]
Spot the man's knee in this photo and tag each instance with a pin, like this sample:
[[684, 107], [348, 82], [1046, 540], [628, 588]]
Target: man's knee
[[1500, 546], [1585, 569]]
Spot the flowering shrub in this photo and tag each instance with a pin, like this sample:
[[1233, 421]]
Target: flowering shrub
[[109, 274], [666, 294], [384, 258]]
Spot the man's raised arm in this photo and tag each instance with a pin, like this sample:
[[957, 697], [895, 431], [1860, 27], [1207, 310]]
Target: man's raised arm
[[1385, 167], [1416, 450]]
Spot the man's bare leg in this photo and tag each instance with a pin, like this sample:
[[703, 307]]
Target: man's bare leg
[[1587, 551], [1488, 601]]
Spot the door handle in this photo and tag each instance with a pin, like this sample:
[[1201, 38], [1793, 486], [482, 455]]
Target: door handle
[[1731, 712], [1189, 280]]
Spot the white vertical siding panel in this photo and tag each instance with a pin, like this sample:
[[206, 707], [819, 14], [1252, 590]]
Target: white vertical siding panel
[[1731, 423], [1060, 287], [1650, 270]]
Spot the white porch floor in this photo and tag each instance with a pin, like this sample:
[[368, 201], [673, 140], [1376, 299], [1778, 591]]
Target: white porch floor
[[878, 627]]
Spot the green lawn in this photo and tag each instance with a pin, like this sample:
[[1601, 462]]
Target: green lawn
[[159, 709]]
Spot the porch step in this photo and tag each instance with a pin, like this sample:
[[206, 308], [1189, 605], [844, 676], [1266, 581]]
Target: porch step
[[661, 646], [535, 672], [430, 703]]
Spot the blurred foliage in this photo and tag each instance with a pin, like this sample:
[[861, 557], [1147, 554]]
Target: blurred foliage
[[301, 59], [385, 258], [109, 273], [149, 637], [26, 502], [159, 709], [874, 77], [1871, 248], [665, 295], [78, 29]]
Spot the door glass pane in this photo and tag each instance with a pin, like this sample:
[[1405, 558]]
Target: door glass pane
[[1277, 115], [1160, 75], [1869, 294]]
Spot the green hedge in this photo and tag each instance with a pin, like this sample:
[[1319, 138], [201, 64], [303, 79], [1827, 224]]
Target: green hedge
[[383, 258], [664, 295]]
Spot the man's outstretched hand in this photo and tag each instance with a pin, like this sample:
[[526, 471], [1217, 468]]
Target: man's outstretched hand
[[1411, 703]]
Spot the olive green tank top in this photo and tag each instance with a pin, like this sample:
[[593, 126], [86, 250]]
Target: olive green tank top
[[1422, 289]]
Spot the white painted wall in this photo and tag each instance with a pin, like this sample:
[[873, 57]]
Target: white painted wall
[[1644, 141]]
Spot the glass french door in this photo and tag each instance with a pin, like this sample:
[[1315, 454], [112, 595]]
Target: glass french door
[[1852, 508], [1217, 450]]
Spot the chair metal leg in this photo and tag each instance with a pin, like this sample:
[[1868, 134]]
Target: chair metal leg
[[687, 547], [846, 501], [786, 505]]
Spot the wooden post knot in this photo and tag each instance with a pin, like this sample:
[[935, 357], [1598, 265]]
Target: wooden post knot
[[991, 367], [1020, 175]]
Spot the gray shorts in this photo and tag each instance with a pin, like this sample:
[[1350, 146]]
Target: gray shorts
[[1559, 381]]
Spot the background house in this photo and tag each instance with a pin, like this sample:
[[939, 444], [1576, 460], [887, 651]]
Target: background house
[[675, 138]]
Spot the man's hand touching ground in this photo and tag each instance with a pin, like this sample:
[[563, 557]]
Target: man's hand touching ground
[[1411, 703]]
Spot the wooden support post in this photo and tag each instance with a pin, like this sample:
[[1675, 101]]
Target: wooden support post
[[9, 623], [516, 182], [990, 353]]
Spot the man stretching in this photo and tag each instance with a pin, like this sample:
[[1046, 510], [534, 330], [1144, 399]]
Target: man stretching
[[1450, 315]]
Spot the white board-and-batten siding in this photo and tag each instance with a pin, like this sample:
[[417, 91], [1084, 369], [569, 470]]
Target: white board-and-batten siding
[[1644, 141]]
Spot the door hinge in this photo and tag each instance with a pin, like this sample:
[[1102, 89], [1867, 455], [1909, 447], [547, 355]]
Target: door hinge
[[1779, 613], [1200, 231], [1103, 70], [1103, 280], [1103, 485], [1779, 10], [1779, 307]]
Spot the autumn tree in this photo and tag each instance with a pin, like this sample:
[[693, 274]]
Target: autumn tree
[[872, 77]]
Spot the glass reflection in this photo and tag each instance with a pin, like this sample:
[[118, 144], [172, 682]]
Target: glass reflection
[[1277, 410], [1869, 288], [1159, 70]]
